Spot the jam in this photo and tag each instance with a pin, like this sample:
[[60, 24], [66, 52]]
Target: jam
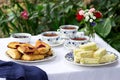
[[40, 46]]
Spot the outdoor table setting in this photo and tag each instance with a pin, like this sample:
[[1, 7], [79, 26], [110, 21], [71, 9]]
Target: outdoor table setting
[[60, 61]]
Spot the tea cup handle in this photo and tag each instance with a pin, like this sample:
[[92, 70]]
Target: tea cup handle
[[58, 30]]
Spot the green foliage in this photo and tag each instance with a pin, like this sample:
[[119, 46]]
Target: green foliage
[[104, 28], [110, 10], [43, 16]]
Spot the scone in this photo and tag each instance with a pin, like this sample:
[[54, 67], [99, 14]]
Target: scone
[[42, 47], [13, 53], [13, 45], [32, 57], [26, 49], [49, 53]]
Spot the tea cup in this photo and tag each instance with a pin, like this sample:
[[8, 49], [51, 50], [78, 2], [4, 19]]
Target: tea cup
[[68, 30], [78, 40], [21, 37], [50, 37]]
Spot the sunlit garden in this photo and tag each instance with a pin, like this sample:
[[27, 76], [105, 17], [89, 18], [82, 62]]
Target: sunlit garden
[[37, 16]]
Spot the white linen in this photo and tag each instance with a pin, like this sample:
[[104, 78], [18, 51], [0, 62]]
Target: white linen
[[59, 69]]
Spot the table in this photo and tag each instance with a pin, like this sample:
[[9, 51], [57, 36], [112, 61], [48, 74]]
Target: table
[[59, 69]]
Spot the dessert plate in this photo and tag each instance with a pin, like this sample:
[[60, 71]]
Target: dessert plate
[[42, 60], [70, 58]]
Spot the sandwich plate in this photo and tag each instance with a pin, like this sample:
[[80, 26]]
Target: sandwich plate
[[42, 60], [70, 58]]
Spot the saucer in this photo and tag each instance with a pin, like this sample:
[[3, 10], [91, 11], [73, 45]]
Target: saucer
[[56, 43], [72, 46], [69, 46]]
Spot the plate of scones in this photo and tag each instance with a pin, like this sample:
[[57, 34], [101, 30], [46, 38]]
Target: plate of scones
[[25, 52], [91, 55]]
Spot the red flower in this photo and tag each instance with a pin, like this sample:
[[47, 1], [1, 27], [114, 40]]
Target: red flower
[[24, 14], [79, 17], [98, 14]]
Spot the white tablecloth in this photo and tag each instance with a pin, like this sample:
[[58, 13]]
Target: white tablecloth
[[59, 69]]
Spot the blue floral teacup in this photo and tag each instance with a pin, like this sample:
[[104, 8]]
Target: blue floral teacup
[[50, 37], [68, 30], [76, 40]]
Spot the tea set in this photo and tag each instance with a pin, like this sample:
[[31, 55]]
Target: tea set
[[66, 34]]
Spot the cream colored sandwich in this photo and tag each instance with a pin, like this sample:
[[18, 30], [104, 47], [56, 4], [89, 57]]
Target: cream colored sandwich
[[99, 53], [85, 54], [108, 58], [89, 46], [89, 60], [75, 51], [76, 59]]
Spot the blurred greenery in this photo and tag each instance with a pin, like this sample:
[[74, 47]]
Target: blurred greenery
[[110, 10], [50, 14]]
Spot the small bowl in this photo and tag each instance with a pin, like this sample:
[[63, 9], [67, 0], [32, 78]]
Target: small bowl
[[21, 37], [50, 37]]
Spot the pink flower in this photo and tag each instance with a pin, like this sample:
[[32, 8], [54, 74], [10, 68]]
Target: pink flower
[[98, 14], [92, 10], [24, 15], [81, 12], [79, 17]]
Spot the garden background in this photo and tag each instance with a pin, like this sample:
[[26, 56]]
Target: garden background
[[44, 15]]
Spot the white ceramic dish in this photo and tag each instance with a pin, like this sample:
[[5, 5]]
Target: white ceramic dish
[[46, 59], [70, 58], [21, 37]]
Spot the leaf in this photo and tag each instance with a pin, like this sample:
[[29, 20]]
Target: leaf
[[104, 28], [67, 9]]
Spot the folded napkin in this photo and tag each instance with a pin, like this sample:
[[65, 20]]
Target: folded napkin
[[15, 71]]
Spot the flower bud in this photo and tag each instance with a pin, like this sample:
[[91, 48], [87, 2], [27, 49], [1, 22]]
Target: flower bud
[[24, 15], [92, 10], [98, 14]]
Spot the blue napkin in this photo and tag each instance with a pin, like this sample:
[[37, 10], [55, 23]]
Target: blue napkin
[[15, 71]]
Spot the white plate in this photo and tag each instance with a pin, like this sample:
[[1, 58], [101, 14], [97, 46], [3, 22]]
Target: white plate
[[70, 58], [46, 59]]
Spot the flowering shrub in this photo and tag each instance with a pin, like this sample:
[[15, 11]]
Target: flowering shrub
[[90, 18], [21, 17]]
